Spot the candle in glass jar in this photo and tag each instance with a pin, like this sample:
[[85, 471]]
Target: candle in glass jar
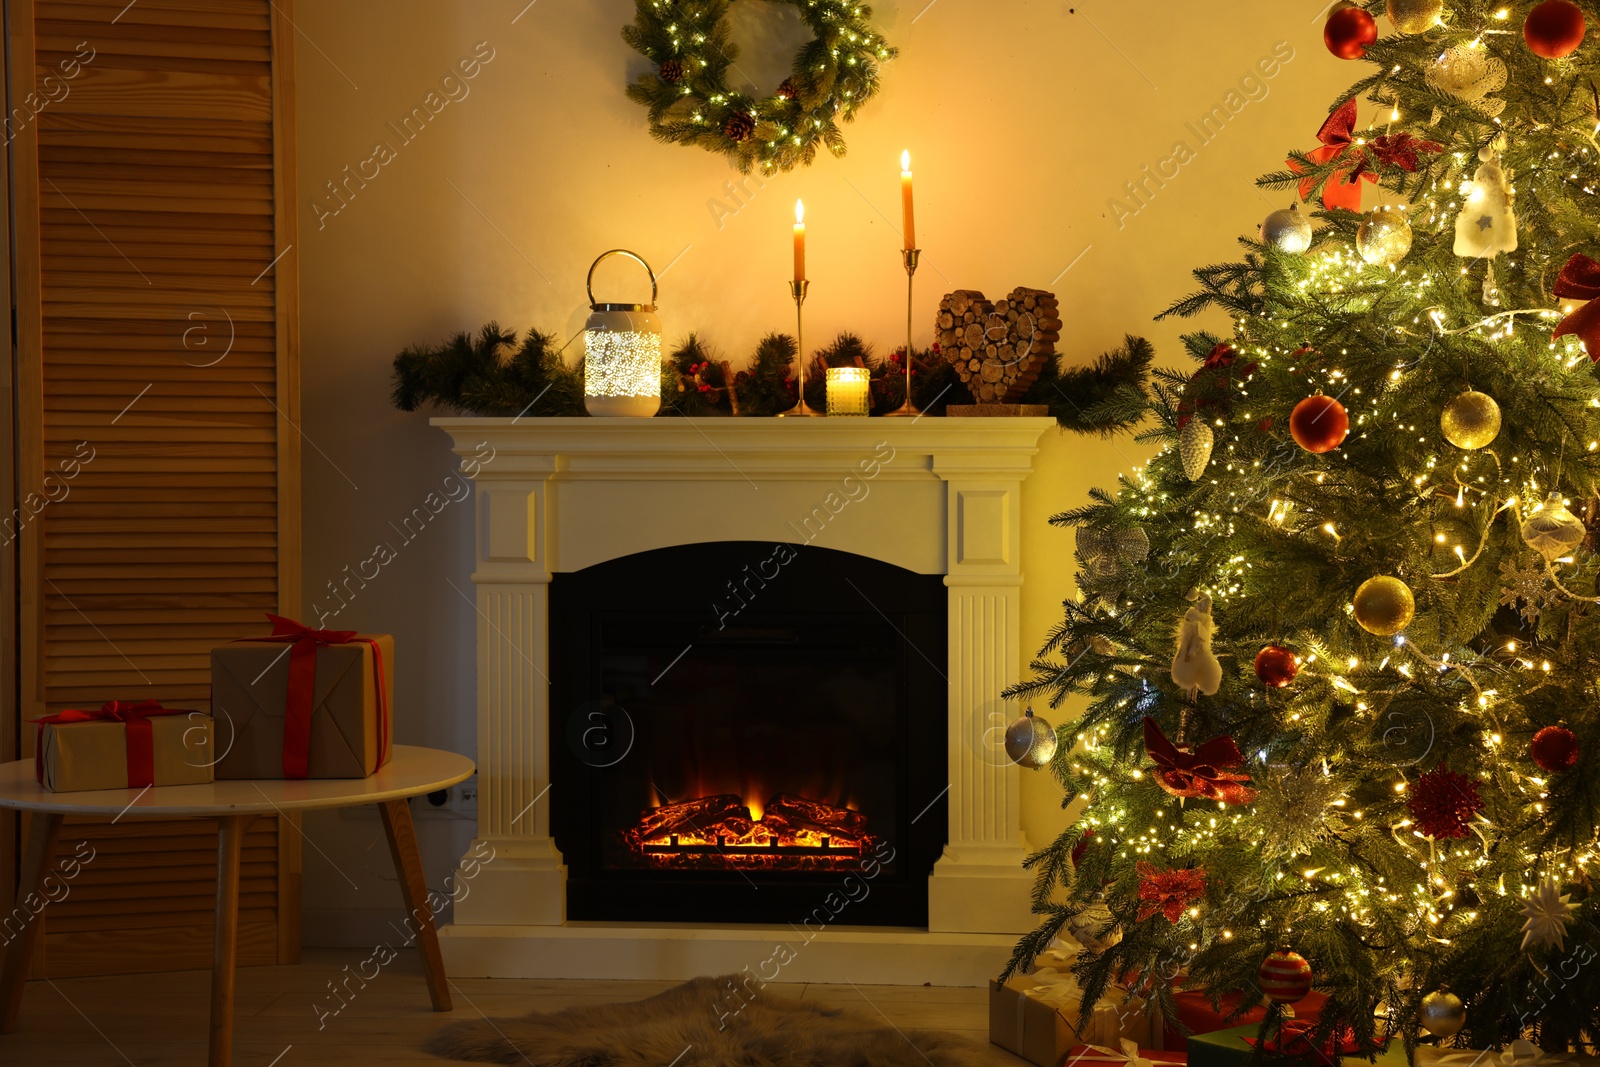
[[849, 391], [799, 241], [907, 210]]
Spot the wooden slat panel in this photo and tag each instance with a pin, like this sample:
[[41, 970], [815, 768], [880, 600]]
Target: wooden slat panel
[[158, 327]]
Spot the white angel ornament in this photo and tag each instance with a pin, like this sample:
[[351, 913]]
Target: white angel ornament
[[1194, 668]]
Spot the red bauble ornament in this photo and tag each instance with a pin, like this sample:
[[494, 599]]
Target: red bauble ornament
[[1554, 29], [1348, 32], [1555, 749], [1285, 976], [1276, 666], [1319, 423], [1443, 803]]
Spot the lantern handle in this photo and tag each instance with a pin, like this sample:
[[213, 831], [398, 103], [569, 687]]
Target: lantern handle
[[589, 285]]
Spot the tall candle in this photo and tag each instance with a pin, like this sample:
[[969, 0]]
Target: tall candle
[[799, 241], [907, 209]]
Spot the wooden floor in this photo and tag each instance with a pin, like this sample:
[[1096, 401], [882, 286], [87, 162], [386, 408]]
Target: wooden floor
[[160, 1020]]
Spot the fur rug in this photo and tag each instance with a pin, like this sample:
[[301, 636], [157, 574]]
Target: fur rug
[[708, 1022]]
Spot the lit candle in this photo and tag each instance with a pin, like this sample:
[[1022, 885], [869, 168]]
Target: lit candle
[[905, 200], [848, 390], [799, 241]]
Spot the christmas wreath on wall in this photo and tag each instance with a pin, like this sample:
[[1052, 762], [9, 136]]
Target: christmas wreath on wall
[[690, 102]]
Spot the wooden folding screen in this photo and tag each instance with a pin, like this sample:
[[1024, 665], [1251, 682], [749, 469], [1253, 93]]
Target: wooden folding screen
[[158, 449]]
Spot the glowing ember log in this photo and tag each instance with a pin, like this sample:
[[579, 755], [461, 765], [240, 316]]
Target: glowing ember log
[[792, 833], [690, 817], [789, 814]]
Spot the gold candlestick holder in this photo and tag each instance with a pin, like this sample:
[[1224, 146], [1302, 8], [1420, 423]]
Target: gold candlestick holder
[[801, 408], [911, 256]]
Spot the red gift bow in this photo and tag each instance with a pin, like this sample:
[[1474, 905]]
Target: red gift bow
[[303, 644], [135, 717], [1580, 280], [1201, 772], [1294, 1039]]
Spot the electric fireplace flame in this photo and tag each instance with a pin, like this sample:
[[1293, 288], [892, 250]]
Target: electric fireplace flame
[[786, 833]]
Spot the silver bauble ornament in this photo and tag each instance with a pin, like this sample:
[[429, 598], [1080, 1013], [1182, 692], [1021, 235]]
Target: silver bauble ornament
[[1030, 741], [1384, 237], [1414, 16], [1553, 531], [1471, 420], [1195, 442], [1129, 544], [1287, 230], [1442, 1014]]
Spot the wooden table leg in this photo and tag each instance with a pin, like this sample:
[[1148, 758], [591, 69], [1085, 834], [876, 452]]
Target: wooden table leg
[[31, 901], [225, 953], [414, 888]]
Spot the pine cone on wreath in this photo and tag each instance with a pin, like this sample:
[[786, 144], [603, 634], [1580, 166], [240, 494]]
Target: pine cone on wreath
[[672, 72], [740, 125], [787, 90]]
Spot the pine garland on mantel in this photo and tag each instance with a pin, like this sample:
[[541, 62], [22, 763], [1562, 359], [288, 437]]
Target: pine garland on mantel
[[492, 373]]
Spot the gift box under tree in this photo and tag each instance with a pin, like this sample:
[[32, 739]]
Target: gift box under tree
[[123, 745], [303, 703]]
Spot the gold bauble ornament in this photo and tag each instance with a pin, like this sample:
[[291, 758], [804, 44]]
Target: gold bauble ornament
[[1287, 230], [1384, 237], [1442, 1014], [1031, 742], [1384, 606], [1553, 531], [1414, 16], [1471, 420]]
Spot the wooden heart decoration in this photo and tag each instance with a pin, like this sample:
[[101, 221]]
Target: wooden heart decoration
[[998, 349]]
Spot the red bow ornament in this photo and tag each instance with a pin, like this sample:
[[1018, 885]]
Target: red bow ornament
[[1580, 280], [303, 644], [135, 717], [1168, 893], [1337, 139], [1203, 772]]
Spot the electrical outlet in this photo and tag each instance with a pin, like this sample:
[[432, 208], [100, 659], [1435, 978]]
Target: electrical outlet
[[460, 801]]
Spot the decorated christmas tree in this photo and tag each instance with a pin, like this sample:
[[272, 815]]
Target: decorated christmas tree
[[1330, 685]]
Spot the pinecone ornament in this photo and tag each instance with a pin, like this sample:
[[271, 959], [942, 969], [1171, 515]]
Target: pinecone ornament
[[740, 125], [1195, 442], [787, 90], [671, 72]]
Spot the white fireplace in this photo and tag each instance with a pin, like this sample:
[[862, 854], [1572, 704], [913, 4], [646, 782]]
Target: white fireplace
[[931, 495]]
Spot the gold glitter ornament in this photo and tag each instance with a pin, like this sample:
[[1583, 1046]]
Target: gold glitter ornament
[[1384, 606], [1471, 420], [1384, 237], [1287, 230], [1442, 1014], [1414, 16]]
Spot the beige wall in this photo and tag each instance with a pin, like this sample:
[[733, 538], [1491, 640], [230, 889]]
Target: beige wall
[[1025, 120]]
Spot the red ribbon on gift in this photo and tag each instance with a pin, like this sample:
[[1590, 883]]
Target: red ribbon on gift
[[303, 644], [1294, 1039], [1580, 280], [135, 717], [1201, 772]]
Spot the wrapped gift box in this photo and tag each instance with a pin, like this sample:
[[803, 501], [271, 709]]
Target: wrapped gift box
[[1195, 1012], [341, 716], [1036, 1016], [1518, 1054], [124, 745], [1229, 1048], [1129, 1055]]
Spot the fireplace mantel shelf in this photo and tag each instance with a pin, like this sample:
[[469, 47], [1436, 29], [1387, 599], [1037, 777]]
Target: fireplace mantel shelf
[[711, 447], [935, 496]]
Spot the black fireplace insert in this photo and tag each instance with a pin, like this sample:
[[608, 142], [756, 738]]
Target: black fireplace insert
[[746, 732]]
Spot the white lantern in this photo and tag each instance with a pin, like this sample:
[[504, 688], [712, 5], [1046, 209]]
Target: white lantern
[[622, 353]]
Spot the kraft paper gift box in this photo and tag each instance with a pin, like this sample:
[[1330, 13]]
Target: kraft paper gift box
[[1127, 1055], [1517, 1054], [1232, 1048], [1036, 1016], [304, 704], [123, 745]]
